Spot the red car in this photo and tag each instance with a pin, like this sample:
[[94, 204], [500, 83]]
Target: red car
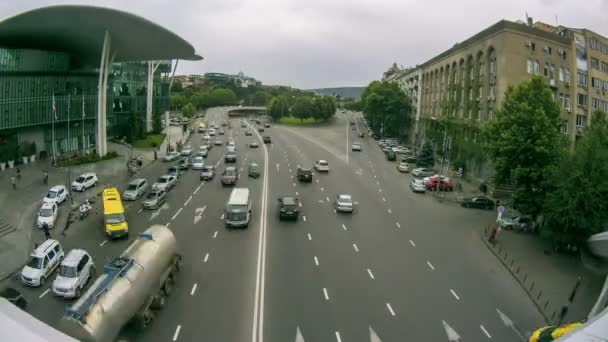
[[444, 184]]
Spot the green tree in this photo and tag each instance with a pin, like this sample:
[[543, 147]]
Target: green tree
[[223, 97], [318, 108], [178, 100], [524, 141], [387, 108], [261, 98], [177, 86], [189, 110], [329, 111], [576, 205], [426, 157], [302, 107], [274, 108], [135, 129]]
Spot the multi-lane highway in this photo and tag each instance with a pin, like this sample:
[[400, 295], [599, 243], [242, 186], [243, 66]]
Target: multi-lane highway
[[402, 267]]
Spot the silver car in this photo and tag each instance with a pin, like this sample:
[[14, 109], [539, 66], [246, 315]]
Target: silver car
[[422, 172], [135, 189], [344, 203], [186, 150], [198, 163], [165, 182], [155, 199], [356, 147], [403, 167], [417, 185]]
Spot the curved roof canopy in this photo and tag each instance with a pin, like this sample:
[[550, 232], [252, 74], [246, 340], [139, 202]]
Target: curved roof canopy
[[79, 31]]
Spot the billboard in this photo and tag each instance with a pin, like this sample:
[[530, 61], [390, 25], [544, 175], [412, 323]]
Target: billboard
[[581, 52]]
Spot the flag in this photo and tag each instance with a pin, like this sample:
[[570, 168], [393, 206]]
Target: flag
[[54, 108]]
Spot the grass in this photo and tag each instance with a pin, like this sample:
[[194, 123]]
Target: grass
[[152, 140], [88, 159], [297, 122]]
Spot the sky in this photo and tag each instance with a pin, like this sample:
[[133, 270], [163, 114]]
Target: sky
[[330, 43]]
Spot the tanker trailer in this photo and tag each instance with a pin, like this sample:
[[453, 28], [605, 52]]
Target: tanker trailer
[[132, 288]]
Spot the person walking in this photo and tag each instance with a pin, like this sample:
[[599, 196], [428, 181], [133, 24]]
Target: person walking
[[18, 173], [45, 177], [14, 182], [47, 233]]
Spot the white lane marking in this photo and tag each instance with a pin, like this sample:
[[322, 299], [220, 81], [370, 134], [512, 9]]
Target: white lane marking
[[343, 226], [215, 234], [327, 199], [188, 200], [177, 213], [317, 181], [316, 261], [300, 204], [321, 201], [222, 217], [103, 243], [454, 294], [390, 309], [44, 293], [356, 248], [290, 171], [325, 294], [430, 265], [335, 212], [294, 185], [322, 189], [338, 338], [176, 334], [379, 190], [389, 211], [374, 176], [383, 199], [140, 210], [412, 243], [397, 224], [304, 218], [193, 289], [206, 257], [297, 193], [371, 275], [309, 237], [485, 331], [347, 150]]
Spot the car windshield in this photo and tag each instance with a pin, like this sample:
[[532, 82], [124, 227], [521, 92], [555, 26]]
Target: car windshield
[[323, 163], [51, 194], [163, 180], [80, 179], [197, 160], [115, 218], [68, 271], [345, 198], [132, 187], [46, 212], [34, 262], [152, 195], [229, 172]]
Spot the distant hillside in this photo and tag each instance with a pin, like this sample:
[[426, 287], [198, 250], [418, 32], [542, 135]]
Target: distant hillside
[[354, 92]]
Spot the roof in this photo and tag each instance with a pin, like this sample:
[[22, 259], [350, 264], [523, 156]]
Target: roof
[[48, 205], [57, 187], [288, 200], [239, 196], [73, 257], [44, 246], [79, 31]]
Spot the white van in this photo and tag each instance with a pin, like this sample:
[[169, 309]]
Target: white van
[[42, 262], [238, 208]]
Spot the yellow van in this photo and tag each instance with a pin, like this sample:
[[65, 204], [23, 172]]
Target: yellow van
[[115, 222]]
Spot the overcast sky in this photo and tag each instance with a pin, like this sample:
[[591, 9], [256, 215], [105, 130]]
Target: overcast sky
[[328, 43]]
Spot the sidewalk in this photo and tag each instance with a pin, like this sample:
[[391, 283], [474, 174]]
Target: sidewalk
[[548, 278]]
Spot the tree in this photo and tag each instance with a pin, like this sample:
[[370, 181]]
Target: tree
[[387, 108], [177, 86], [524, 141], [426, 157], [329, 106], [302, 107], [178, 100], [576, 205], [261, 98], [157, 124], [318, 108], [223, 97], [189, 110], [135, 128]]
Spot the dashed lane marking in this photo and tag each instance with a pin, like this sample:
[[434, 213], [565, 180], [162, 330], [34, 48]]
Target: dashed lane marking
[[44, 293], [371, 275], [389, 211], [176, 334], [316, 261], [321, 201], [304, 218], [309, 237], [177, 213], [206, 257], [454, 294], [193, 289], [383, 199], [485, 331], [343, 226], [355, 247], [317, 181], [430, 265], [390, 309], [397, 224], [297, 193], [188, 200], [338, 338], [222, 217], [322, 189], [300, 204], [335, 212], [325, 294], [103, 243], [140, 210], [215, 234], [294, 185], [327, 198], [412, 243]]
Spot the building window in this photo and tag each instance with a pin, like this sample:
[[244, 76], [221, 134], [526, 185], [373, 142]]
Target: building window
[[564, 128], [596, 83], [605, 65], [530, 66], [582, 100], [567, 78], [604, 48], [595, 63], [561, 100], [493, 92], [561, 73], [582, 78], [546, 70], [606, 86], [595, 103], [548, 49], [552, 74], [536, 68], [564, 54], [581, 121], [593, 44], [567, 103]]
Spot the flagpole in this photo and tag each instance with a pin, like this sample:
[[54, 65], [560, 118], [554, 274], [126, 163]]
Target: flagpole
[[83, 146], [69, 141], [54, 115]]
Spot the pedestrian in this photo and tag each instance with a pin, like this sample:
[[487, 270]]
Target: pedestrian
[[47, 233], [493, 233], [14, 182], [45, 177], [18, 173]]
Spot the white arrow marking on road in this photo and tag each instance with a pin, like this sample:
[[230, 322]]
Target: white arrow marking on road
[[397, 224], [343, 226], [198, 214], [309, 237], [356, 248], [373, 337], [188, 200], [176, 334], [103, 243], [325, 294], [177, 213], [454, 294], [485, 331], [193, 289], [206, 257], [316, 261], [299, 337], [412, 243], [430, 265], [338, 338], [452, 334], [390, 309], [215, 234], [371, 275], [44, 293], [509, 323]]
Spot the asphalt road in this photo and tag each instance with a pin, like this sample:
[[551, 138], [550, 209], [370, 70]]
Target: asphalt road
[[402, 267]]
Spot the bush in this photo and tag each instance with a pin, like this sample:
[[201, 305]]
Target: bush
[[289, 120], [88, 159], [151, 140]]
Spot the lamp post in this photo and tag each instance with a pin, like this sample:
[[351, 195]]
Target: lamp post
[[444, 153]]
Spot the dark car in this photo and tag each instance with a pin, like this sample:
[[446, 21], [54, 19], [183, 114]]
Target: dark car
[[267, 125], [260, 129], [391, 156], [248, 133], [267, 140], [361, 134], [304, 174], [230, 176], [14, 297], [253, 170], [288, 208], [480, 202]]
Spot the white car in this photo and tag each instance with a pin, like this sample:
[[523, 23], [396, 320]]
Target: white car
[[171, 156], [75, 271], [403, 167], [356, 147], [41, 263], [47, 215], [57, 194], [186, 150], [231, 149], [198, 163], [203, 152], [231, 143], [206, 137], [401, 149], [322, 166], [165, 182], [417, 185], [84, 181], [218, 142], [422, 172], [344, 203]]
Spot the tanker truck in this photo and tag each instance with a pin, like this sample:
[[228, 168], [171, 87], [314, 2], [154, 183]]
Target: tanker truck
[[132, 289]]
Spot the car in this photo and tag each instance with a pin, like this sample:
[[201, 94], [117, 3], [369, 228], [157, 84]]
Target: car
[[230, 157], [480, 202], [224, 124], [174, 171], [186, 151], [322, 165], [391, 156], [221, 132], [253, 170], [230, 176], [417, 185], [356, 147], [344, 203], [206, 137], [361, 134], [254, 144], [409, 158], [267, 140], [41, 263], [403, 167], [231, 149], [516, 222], [426, 179], [444, 184], [202, 153], [155, 199], [218, 142], [57, 194], [267, 125], [243, 125], [304, 174], [85, 181], [184, 163], [231, 144], [260, 129], [422, 172], [201, 129], [207, 173], [288, 208], [171, 156], [401, 149], [198, 163], [14, 297], [75, 272], [211, 132], [165, 182], [248, 133], [47, 215], [135, 189]]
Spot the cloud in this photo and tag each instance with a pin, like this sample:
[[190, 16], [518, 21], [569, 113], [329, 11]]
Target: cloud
[[317, 43]]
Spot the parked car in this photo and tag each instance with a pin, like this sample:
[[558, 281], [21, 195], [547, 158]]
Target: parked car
[[155, 199], [218, 142], [523, 223], [171, 156], [267, 125], [75, 272], [480, 202], [401, 149], [344, 203], [57, 194], [165, 182], [221, 131], [230, 176], [445, 184], [254, 144], [267, 139], [198, 163], [409, 158], [422, 172], [186, 150], [248, 133], [207, 173], [322, 165], [391, 156], [174, 171], [203, 152], [207, 137], [47, 215], [184, 163], [304, 174], [135, 189], [41, 263], [417, 185], [84, 181], [253, 170], [356, 147], [288, 208], [403, 167], [260, 129]]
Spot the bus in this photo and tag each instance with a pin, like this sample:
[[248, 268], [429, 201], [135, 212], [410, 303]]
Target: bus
[[115, 221], [238, 208]]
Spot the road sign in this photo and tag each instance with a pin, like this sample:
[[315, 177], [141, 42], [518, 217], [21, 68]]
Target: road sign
[[501, 209]]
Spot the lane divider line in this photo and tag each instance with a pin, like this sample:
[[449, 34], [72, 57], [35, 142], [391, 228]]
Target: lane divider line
[[485, 331], [304, 218], [177, 213], [344, 227], [389, 211], [193, 289], [454, 294], [390, 309], [44, 293], [338, 338], [206, 257], [176, 334], [325, 294], [371, 275], [356, 248], [103, 243], [397, 224], [309, 237], [215, 234], [316, 261], [430, 265], [188, 200], [412, 243]]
